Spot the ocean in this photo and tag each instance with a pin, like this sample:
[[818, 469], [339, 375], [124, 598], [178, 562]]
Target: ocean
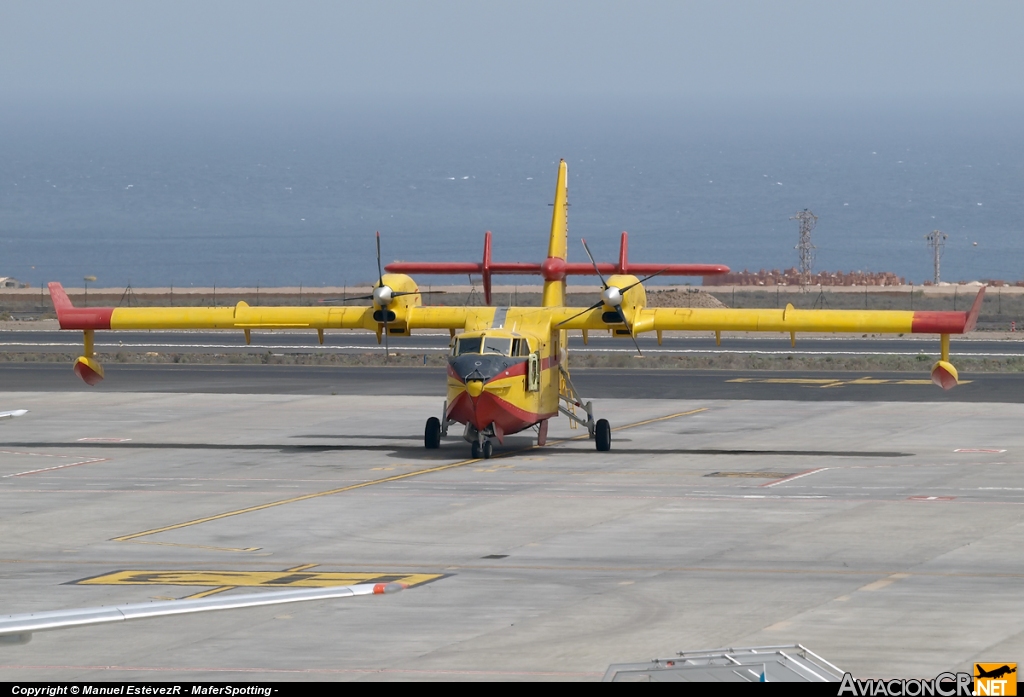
[[278, 195]]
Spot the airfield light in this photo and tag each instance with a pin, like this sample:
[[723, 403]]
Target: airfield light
[[87, 279]]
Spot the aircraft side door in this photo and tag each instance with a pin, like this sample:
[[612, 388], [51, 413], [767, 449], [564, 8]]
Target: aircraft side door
[[533, 373]]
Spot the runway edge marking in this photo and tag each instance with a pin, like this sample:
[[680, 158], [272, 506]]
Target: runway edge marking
[[394, 478]]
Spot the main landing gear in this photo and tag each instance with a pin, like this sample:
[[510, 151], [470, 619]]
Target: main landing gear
[[432, 433], [600, 430], [435, 429], [603, 435]]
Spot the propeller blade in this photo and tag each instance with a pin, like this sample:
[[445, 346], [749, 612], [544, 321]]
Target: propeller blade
[[596, 305], [393, 295], [345, 300], [418, 292], [384, 310], [380, 269], [622, 316], [642, 280], [597, 270]]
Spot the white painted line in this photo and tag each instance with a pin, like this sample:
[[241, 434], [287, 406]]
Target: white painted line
[[978, 450], [58, 467], [795, 476]]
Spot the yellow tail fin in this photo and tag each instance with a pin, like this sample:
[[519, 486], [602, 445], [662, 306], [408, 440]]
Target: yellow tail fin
[[554, 289]]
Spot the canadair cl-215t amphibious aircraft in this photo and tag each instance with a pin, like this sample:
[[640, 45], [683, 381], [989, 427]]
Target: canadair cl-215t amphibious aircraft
[[508, 367]]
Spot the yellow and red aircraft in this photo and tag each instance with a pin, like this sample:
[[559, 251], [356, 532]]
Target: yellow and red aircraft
[[508, 367]]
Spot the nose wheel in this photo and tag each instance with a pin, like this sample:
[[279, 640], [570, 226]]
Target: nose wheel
[[482, 450]]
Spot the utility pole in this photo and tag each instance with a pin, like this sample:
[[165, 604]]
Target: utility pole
[[804, 247], [936, 240]]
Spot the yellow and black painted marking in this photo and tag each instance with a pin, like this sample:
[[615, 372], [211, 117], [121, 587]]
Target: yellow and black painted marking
[[832, 382], [290, 578]]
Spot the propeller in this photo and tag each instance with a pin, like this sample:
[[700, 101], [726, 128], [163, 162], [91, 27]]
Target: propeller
[[611, 296], [382, 294]]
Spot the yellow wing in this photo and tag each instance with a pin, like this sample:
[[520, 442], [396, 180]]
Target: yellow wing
[[789, 319], [641, 319], [403, 316]]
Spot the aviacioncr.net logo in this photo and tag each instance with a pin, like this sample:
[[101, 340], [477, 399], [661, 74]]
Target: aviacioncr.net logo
[[942, 685]]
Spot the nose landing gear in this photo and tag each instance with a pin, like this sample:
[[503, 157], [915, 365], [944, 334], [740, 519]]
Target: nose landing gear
[[483, 449]]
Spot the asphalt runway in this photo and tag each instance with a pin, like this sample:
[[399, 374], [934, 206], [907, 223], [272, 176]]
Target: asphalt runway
[[593, 383], [884, 536], [54, 341]]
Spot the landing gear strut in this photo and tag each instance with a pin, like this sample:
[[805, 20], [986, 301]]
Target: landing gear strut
[[600, 430]]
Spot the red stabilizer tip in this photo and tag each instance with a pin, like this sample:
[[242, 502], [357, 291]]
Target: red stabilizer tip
[[88, 375]]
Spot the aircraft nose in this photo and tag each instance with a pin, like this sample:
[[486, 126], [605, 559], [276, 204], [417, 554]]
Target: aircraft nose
[[478, 367], [474, 387]]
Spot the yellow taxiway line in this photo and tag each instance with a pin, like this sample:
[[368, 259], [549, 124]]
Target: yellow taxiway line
[[373, 482]]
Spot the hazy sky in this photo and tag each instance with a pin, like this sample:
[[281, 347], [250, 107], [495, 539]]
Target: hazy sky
[[476, 48]]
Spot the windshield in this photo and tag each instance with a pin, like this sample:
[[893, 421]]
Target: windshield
[[502, 347], [468, 345]]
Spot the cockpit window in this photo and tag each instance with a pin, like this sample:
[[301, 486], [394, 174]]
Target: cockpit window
[[492, 345], [498, 345], [469, 344]]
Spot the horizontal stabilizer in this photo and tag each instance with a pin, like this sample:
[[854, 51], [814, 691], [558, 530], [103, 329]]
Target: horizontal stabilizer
[[553, 269]]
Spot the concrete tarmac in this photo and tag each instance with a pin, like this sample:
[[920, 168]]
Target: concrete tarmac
[[882, 535]]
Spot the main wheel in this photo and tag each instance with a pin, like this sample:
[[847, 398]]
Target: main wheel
[[475, 450], [432, 433], [488, 449], [603, 435]]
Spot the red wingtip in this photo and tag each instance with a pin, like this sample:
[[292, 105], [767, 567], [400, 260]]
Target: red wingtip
[[71, 317]]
